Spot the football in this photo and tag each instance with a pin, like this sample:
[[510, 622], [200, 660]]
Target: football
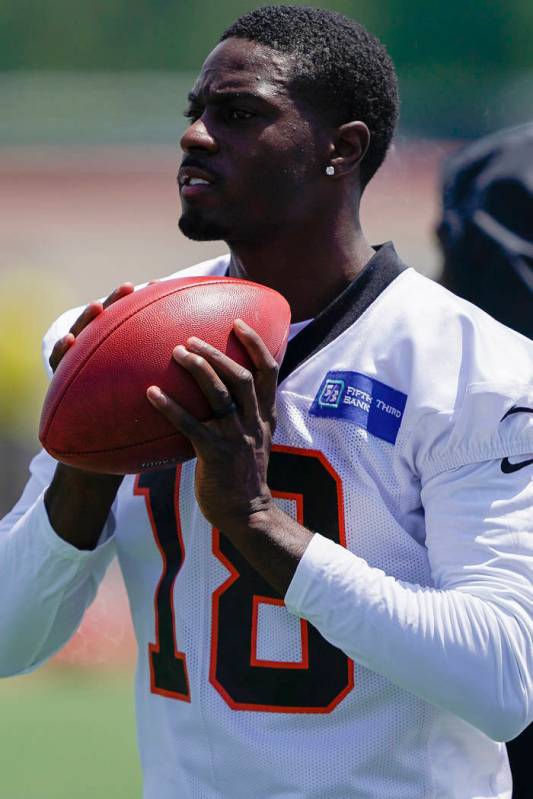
[[96, 415]]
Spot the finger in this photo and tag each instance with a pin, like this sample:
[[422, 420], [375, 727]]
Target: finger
[[89, 313], [212, 387], [266, 375], [178, 417], [60, 348], [237, 378], [121, 291], [255, 346]]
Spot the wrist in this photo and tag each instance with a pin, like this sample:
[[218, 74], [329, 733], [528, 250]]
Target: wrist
[[258, 516], [272, 542], [262, 519], [78, 504]]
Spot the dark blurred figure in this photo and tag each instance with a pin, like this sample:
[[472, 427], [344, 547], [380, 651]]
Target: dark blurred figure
[[486, 232], [486, 235]]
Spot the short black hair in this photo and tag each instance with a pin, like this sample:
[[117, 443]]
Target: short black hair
[[341, 69]]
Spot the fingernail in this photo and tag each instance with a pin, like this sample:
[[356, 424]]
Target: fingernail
[[179, 352], [156, 396], [241, 324]]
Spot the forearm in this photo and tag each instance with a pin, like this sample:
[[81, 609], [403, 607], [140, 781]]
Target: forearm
[[78, 504], [449, 647], [273, 543]]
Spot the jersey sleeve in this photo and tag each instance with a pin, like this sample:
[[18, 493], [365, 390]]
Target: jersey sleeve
[[45, 583], [465, 643], [492, 421]]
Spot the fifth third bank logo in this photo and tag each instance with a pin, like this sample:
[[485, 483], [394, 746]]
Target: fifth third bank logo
[[362, 400], [331, 394]]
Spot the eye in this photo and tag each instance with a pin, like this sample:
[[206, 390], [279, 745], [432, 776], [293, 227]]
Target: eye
[[239, 114]]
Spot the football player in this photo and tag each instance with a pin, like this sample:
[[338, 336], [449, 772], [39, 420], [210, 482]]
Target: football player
[[334, 598]]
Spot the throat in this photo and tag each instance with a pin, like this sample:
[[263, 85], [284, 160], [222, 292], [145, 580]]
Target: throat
[[310, 285]]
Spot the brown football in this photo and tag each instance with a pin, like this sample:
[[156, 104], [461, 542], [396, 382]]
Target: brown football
[[96, 415]]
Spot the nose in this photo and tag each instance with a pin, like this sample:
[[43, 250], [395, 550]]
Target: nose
[[197, 137]]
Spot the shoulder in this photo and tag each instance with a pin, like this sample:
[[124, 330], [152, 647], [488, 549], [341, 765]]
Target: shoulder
[[463, 372], [437, 344], [423, 303]]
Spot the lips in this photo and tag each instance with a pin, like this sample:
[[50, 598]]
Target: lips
[[195, 182]]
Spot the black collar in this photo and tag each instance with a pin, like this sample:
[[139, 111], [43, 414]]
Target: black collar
[[345, 309]]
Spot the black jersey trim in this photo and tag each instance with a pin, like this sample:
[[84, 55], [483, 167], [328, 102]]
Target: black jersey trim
[[345, 309]]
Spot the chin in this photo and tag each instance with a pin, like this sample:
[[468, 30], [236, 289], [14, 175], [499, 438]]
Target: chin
[[201, 229]]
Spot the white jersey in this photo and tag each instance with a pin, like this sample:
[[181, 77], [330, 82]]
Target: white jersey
[[403, 646]]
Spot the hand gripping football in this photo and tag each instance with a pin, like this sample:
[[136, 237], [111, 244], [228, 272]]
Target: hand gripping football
[[96, 415]]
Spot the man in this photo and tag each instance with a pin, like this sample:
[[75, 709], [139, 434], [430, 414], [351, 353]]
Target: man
[[345, 612], [487, 244]]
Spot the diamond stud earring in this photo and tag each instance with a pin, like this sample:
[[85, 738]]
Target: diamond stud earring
[[330, 170]]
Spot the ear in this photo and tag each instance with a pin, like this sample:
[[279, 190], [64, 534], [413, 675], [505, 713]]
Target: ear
[[349, 147]]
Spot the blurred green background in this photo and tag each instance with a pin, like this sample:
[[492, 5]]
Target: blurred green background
[[463, 65], [68, 733], [91, 96]]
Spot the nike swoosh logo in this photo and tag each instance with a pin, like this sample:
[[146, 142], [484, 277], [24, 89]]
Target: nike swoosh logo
[[509, 468], [516, 409]]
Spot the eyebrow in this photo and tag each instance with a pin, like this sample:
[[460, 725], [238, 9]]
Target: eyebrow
[[220, 97]]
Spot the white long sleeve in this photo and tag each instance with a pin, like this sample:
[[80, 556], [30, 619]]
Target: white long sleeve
[[45, 583], [465, 644]]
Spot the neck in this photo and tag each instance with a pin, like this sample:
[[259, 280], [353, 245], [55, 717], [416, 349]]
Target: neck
[[308, 266]]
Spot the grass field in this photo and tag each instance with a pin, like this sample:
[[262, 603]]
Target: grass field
[[68, 733]]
